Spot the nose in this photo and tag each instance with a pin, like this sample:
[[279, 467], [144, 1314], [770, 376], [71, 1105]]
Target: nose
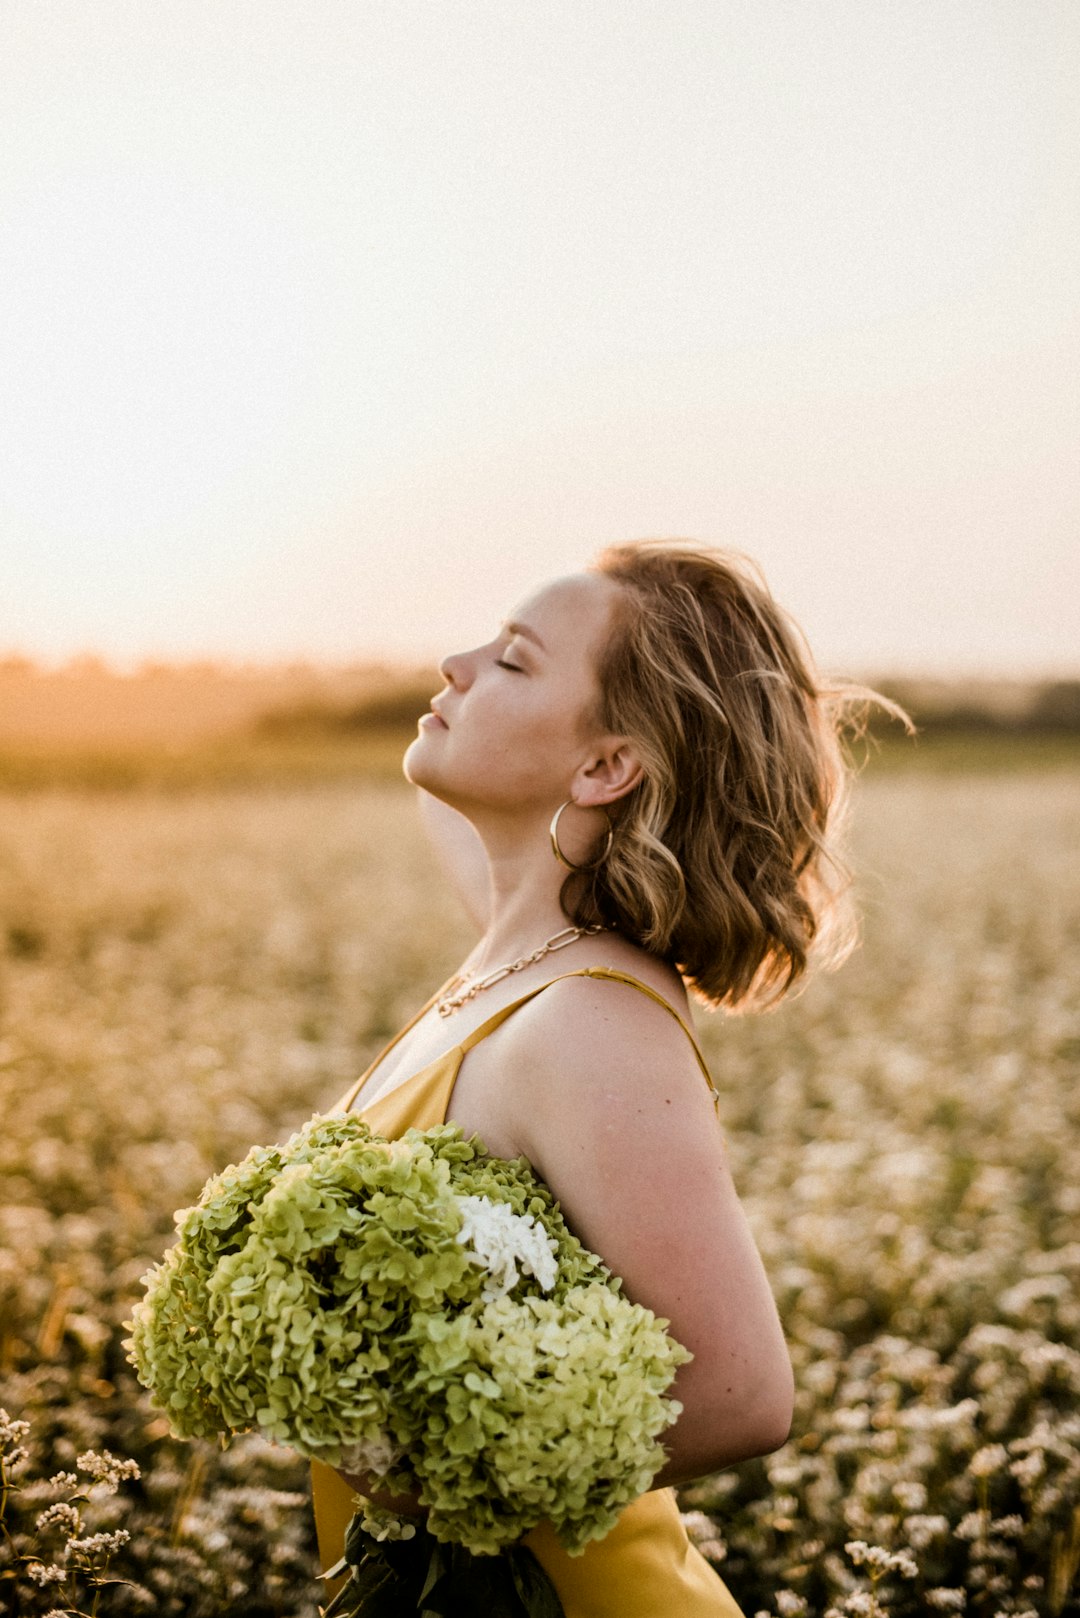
[[455, 670]]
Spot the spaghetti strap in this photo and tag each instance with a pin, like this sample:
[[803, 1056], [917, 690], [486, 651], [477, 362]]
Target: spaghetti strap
[[504, 1012]]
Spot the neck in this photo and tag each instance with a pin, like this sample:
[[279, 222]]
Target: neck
[[525, 882]]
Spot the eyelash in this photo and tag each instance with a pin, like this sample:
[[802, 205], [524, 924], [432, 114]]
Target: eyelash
[[500, 664]]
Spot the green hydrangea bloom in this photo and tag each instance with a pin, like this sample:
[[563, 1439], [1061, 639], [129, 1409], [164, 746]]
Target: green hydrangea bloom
[[325, 1293]]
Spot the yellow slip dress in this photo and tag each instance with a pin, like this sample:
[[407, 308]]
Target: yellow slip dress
[[646, 1566]]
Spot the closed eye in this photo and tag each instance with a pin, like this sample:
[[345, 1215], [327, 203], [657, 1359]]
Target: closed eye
[[501, 663]]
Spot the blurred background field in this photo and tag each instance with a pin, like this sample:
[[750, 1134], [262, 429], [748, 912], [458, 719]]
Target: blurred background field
[[184, 972], [205, 724]]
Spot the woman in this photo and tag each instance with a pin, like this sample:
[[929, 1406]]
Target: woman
[[634, 785]]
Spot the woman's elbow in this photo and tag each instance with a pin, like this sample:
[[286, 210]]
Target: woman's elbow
[[760, 1424], [760, 1427], [773, 1416], [752, 1418]]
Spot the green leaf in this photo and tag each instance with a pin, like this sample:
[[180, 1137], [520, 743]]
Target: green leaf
[[436, 1570], [357, 1595]]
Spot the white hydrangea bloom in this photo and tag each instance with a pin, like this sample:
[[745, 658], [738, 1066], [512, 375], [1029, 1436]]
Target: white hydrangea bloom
[[500, 1240], [376, 1456]]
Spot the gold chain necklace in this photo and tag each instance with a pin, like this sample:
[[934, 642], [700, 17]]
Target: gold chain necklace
[[467, 986]]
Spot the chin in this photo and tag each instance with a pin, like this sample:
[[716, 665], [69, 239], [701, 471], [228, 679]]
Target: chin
[[409, 762], [421, 770], [415, 767]]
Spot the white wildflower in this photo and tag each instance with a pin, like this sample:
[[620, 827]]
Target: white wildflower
[[864, 1555], [852, 1419], [860, 1603], [713, 1550], [920, 1529], [912, 1496], [99, 1544], [107, 1470], [698, 1524], [46, 1573], [1011, 1527], [500, 1239], [1047, 1500], [790, 1605], [704, 1535], [930, 1418], [12, 1431], [61, 1515], [1029, 1469], [946, 1599], [991, 1458]]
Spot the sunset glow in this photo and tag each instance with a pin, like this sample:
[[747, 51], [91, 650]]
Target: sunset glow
[[328, 331]]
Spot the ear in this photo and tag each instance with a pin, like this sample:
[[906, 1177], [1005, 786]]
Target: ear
[[610, 772]]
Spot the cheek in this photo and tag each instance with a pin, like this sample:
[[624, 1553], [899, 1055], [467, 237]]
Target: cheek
[[526, 742], [537, 722]]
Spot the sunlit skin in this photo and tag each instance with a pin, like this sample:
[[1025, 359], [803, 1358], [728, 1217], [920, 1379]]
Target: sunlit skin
[[595, 1084]]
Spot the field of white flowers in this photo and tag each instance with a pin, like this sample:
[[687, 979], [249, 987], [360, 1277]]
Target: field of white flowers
[[184, 974]]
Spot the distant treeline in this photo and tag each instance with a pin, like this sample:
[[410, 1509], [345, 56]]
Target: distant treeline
[[1049, 707], [395, 708], [1004, 708]]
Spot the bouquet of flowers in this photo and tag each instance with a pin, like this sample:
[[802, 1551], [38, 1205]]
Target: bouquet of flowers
[[419, 1311]]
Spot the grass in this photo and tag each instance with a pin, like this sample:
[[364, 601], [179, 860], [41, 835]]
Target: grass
[[186, 972]]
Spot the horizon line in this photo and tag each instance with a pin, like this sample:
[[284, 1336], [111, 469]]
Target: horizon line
[[88, 662]]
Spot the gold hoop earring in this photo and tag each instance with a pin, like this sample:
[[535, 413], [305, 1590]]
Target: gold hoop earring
[[561, 857]]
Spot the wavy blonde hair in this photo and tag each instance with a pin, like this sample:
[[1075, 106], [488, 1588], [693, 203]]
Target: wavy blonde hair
[[727, 857]]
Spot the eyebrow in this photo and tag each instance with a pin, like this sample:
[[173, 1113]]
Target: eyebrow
[[526, 632]]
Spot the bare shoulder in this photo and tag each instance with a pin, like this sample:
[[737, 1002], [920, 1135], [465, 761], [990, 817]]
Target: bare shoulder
[[598, 1014], [590, 1049]]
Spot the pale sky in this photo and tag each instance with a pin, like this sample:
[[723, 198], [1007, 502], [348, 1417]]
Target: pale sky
[[329, 329]]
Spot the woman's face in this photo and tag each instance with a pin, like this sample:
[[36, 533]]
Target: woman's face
[[511, 729]]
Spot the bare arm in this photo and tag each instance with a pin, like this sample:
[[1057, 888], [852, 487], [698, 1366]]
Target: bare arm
[[460, 852], [613, 1112]]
